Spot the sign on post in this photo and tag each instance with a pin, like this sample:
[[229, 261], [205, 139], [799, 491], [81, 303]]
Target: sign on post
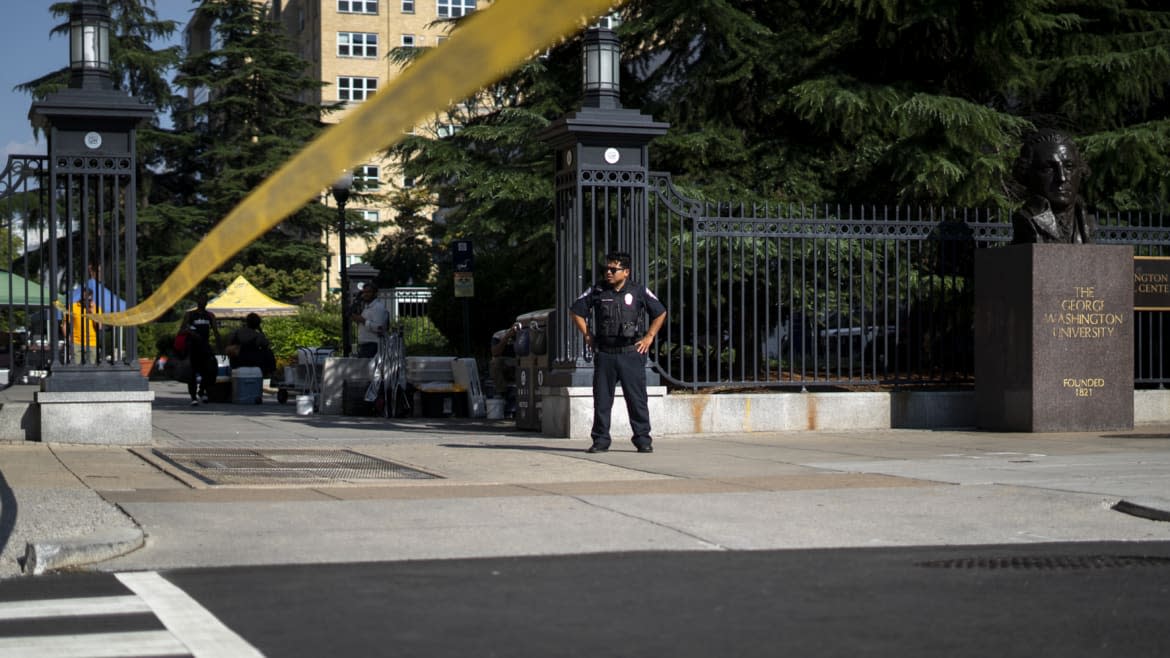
[[463, 259]]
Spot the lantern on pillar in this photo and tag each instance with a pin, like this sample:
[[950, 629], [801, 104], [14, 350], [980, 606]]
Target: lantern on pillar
[[89, 46]]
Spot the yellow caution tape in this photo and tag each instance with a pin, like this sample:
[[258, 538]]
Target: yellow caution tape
[[491, 43]]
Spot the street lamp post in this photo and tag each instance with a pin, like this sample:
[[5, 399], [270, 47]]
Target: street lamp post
[[341, 190]]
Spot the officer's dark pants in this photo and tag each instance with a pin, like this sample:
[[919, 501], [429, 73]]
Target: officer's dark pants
[[630, 369]]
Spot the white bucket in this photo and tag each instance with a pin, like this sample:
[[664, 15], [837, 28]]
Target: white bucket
[[304, 405], [495, 408]]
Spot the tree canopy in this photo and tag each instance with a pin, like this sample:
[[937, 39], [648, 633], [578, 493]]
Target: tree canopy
[[244, 118], [879, 101]]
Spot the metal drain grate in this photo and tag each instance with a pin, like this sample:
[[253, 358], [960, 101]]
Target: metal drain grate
[[1049, 562], [276, 466]]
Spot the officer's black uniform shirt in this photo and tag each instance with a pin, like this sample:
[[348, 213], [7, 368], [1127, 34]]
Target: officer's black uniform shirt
[[618, 315]]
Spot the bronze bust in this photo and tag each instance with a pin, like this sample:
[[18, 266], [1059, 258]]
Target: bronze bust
[[1049, 170]]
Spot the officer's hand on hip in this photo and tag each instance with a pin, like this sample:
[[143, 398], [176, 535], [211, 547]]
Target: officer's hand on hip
[[643, 345]]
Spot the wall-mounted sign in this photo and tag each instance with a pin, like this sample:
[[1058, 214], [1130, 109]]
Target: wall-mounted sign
[[1151, 283], [93, 140], [612, 155]]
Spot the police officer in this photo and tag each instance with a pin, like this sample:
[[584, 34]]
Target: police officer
[[619, 342]]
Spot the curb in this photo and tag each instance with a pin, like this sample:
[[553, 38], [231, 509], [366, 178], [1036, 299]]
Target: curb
[[1155, 509], [44, 556]]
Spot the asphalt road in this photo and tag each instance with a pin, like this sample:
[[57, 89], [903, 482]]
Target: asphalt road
[[1066, 600]]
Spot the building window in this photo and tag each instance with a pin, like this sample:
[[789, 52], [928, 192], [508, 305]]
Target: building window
[[444, 130], [407, 182], [357, 6], [408, 6], [366, 177], [355, 89], [357, 44], [371, 216], [408, 41], [455, 8]]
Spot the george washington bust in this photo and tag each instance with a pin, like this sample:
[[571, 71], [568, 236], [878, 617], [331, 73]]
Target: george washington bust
[[1048, 173]]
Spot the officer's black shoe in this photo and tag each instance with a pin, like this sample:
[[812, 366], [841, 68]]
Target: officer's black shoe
[[597, 448], [645, 448]]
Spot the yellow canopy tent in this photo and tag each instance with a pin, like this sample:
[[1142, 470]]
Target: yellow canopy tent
[[241, 298]]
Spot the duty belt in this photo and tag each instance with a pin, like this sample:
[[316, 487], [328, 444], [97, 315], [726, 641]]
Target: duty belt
[[617, 349]]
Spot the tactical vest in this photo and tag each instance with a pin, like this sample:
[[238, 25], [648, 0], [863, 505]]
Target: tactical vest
[[617, 320]]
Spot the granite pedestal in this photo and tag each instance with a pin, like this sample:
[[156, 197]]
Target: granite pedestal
[[1054, 338]]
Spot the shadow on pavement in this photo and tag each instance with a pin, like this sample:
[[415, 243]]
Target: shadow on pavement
[[8, 510]]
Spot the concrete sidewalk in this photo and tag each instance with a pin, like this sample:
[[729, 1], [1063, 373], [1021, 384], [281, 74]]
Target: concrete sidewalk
[[499, 491]]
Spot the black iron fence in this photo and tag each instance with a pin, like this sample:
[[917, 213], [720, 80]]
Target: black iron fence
[[25, 301], [59, 236], [792, 296]]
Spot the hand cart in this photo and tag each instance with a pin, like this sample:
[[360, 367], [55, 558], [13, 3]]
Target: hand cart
[[304, 377]]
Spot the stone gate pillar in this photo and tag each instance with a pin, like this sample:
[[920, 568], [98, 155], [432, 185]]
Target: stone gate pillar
[[92, 186]]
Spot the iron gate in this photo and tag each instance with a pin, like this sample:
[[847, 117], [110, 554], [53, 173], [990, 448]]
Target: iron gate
[[764, 295]]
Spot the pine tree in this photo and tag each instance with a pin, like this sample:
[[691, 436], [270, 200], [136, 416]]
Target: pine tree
[[901, 100], [403, 257], [250, 124], [491, 178]]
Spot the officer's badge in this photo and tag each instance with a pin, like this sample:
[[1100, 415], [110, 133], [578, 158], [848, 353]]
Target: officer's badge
[[629, 299]]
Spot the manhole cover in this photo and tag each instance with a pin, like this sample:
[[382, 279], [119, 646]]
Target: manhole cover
[[1049, 562], [261, 466]]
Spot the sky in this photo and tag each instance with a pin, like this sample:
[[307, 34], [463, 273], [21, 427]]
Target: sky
[[27, 52]]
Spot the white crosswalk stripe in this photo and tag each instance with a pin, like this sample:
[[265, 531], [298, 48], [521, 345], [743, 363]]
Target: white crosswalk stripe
[[190, 629], [79, 607], [93, 645]]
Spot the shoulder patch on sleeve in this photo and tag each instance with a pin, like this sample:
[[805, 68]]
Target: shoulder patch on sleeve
[[586, 293], [652, 295]]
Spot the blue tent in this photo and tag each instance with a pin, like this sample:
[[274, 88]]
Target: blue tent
[[103, 297]]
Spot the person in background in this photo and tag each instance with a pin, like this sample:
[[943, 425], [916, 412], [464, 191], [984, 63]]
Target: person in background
[[250, 346], [81, 330], [372, 318], [204, 365]]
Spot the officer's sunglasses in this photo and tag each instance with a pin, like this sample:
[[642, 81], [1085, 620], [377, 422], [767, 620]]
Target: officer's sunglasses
[[614, 270]]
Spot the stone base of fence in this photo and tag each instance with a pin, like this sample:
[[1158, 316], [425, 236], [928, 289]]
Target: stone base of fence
[[568, 411], [96, 417]]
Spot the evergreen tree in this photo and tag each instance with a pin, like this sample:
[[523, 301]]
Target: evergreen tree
[[403, 257], [491, 178], [248, 122], [900, 100]]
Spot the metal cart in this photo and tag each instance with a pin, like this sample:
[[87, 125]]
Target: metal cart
[[304, 377]]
